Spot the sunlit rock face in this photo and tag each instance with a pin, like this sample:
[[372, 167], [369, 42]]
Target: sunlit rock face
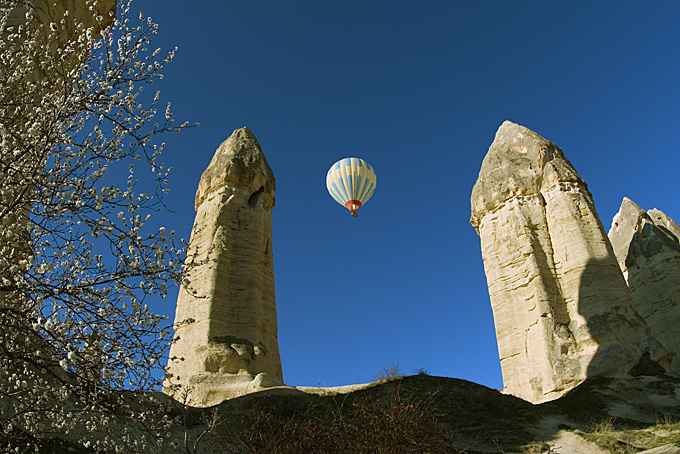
[[74, 12], [225, 324], [561, 305], [68, 14], [648, 250]]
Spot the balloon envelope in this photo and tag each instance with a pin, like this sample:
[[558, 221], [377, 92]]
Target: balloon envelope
[[351, 182]]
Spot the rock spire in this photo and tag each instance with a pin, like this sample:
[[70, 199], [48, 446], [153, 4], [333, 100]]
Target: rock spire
[[561, 306], [225, 324], [647, 247]]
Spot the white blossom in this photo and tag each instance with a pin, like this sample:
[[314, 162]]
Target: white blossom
[[76, 242]]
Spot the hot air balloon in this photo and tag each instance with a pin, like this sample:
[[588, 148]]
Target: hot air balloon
[[351, 182]]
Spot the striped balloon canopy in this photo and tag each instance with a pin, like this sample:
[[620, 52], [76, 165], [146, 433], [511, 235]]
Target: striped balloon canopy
[[351, 182]]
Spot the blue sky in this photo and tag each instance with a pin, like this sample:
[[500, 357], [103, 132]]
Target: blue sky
[[418, 89]]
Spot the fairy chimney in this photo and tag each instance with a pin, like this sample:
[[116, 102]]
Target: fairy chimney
[[225, 322], [647, 246], [561, 306]]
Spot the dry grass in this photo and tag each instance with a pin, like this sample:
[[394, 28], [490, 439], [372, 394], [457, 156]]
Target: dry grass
[[390, 372], [603, 426], [623, 440], [404, 424], [537, 448]]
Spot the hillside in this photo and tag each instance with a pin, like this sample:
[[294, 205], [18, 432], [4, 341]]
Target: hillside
[[423, 413]]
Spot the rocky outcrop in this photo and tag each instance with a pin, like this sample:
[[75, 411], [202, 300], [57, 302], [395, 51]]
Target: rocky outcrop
[[561, 305], [99, 17], [648, 251], [69, 14], [36, 15], [225, 323]]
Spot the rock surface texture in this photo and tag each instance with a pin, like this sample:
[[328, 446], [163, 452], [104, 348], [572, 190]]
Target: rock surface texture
[[47, 11], [647, 247], [561, 306], [225, 323]]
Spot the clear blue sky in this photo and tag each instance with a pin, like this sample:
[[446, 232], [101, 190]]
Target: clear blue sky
[[418, 89]]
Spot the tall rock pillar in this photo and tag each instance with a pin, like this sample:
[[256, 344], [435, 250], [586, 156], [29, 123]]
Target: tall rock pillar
[[225, 323], [647, 246], [561, 307]]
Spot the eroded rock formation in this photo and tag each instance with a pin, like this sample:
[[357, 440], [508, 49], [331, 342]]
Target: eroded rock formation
[[225, 324], [561, 305], [648, 250], [73, 13]]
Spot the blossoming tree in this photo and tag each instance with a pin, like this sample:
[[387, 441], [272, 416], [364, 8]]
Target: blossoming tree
[[80, 176]]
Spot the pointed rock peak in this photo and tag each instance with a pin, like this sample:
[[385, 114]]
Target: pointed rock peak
[[628, 207], [508, 128], [243, 135], [635, 233], [662, 219], [243, 132], [653, 226], [241, 144], [627, 219], [516, 165], [626, 202], [238, 163], [509, 134]]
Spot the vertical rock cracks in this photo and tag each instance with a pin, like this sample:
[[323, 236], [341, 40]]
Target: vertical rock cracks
[[647, 247], [561, 307], [225, 322]]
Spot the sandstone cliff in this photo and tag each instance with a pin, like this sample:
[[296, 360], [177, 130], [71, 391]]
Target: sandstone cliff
[[561, 305], [71, 14], [648, 250], [225, 324]]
